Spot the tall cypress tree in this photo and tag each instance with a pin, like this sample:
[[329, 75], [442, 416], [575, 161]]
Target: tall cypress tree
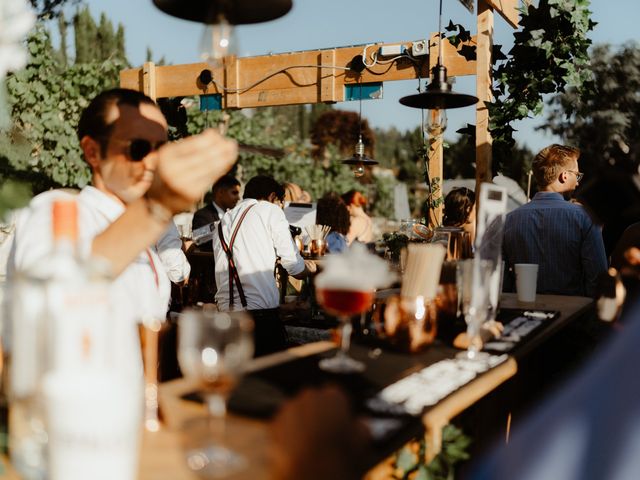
[[62, 27]]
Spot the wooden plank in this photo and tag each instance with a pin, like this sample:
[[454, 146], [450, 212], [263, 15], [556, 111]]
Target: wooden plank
[[272, 79], [508, 9], [440, 415], [149, 80], [436, 170], [326, 79], [483, 92]]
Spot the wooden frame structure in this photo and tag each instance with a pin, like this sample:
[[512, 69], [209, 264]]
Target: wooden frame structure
[[318, 76]]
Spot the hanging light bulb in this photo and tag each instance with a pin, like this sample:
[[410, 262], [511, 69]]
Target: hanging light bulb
[[359, 160], [218, 41], [435, 122], [219, 16]]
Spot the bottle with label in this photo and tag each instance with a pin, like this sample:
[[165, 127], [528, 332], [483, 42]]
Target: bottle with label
[[88, 426]]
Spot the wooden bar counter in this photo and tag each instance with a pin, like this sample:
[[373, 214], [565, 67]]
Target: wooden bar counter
[[162, 453]]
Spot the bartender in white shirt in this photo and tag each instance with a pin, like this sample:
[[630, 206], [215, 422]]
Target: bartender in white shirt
[[138, 183], [255, 234]]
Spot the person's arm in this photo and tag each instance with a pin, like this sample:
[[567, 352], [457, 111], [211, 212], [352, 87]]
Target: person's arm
[[594, 258], [283, 244], [316, 437], [173, 259], [185, 170]]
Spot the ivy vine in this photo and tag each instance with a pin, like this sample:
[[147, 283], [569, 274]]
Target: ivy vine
[[550, 53], [411, 463]]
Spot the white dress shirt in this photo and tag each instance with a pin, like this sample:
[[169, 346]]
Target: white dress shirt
[[175, 262], [141, 290], [263, 236]]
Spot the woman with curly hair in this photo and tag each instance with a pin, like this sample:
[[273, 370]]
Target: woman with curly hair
[[333, 212]]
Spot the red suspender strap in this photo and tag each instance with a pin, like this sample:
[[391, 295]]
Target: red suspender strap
[[153, 268], [228, 250]]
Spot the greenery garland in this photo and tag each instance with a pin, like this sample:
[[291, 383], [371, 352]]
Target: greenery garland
[[550, 53], [410, 461]]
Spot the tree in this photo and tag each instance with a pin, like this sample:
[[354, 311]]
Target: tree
[[607, 121], [604, 125], [46, 98], [50, 8], [340, 128]]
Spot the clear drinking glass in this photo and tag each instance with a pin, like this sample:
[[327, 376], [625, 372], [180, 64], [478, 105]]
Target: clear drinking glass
[[214, 349], [474, 286], [344, 303]]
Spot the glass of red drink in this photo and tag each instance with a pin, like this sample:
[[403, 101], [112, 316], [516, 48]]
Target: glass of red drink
[[344, 303]]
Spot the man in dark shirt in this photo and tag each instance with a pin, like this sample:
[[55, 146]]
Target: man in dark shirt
[[225, 194], [556, 234]]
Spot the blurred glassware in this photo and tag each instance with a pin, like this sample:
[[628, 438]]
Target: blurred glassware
[[214, 349], [475, 286], [410, 323], [459, 243], [344, 303], [317, 247]]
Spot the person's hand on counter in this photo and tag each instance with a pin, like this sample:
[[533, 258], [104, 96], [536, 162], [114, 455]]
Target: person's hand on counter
[[317, 437]]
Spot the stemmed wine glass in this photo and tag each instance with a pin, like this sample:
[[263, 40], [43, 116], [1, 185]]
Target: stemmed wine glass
[[214, 348], [344, 303], [474, 286]]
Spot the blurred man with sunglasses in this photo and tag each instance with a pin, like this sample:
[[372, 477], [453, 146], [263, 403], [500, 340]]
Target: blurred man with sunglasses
[[556, 234], [137, 184]]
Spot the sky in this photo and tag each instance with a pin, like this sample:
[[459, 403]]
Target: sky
[[315, 24]]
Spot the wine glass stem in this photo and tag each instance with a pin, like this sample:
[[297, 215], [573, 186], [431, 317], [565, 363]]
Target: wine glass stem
[[217, 411], [345, 335]]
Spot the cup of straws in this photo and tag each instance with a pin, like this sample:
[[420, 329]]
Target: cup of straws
[[317, 239]]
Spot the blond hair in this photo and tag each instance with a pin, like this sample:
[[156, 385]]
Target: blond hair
[[551, 161]]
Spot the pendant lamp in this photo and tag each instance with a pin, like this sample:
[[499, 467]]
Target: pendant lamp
[[219, 17], [236, 12], [438, 94], [359, 160]]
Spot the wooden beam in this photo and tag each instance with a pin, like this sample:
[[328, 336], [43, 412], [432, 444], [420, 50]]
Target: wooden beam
[[312, 76], [149, 80], [483, 92], [508, 9]]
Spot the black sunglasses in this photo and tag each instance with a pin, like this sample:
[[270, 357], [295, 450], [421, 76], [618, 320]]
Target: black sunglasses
[[140, 148]]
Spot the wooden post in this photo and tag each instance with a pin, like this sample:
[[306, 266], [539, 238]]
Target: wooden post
[[149, 80], [436, 154], [483, 92]]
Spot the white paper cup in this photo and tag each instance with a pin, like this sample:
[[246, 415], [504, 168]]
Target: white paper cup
[[526, 281]]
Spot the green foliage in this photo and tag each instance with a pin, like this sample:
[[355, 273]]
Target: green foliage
[[395, 242], [411, 460], [278, 127], [46, 100], [47, 97], [550, 54], [50, 8], [605, 123], [13, 195]]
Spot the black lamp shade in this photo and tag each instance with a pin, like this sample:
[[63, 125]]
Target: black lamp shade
[[236, 12], [360, 160], [439, 94]]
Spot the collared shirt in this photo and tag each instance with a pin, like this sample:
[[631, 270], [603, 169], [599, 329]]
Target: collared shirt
[[561, 238], [134, 293], [263, 236], [169, 249], [219, 209]]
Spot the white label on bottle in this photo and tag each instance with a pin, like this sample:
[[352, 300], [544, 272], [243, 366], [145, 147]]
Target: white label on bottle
[[93, 425], [79, 317]]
